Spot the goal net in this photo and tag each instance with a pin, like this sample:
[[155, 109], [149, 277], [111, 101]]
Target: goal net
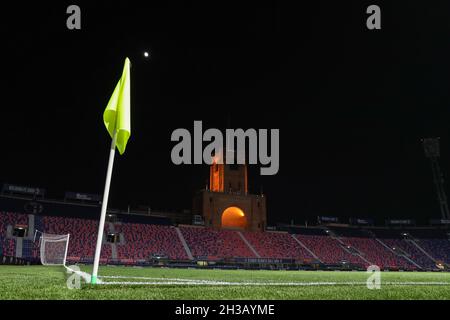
[[53, 249]]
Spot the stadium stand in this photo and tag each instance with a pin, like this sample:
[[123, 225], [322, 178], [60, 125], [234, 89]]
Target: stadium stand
[[277, 245], [329, 250], [12, 219], [434, 241], [9, 247], [388, 248], [413, 252], [373, 250], [439, 249], [3, 226], [83, 236], [401, 240], [144, 240], [214, 244], [378, 254]]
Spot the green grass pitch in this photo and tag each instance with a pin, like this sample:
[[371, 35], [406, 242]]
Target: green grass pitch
[[39, 282]]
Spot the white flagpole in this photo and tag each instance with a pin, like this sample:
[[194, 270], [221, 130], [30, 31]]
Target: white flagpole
[[101, 225], [67, 249]]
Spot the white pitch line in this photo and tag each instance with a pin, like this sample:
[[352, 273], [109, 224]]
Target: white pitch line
[[212, 283], [437, 283], [150, 278], [303, 284], [166, 281]]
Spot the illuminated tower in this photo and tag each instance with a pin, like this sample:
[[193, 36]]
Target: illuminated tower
[[227, 203], [228, 178]]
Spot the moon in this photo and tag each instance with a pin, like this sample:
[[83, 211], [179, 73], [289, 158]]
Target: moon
[[146, 54]]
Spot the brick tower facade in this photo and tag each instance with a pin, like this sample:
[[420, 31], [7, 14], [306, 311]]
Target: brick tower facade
[[227, 203]]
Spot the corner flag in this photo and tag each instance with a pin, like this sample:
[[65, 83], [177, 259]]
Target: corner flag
[[117, 113], [117, 121]]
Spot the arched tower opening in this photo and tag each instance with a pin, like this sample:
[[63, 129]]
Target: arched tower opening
[[233, 217]]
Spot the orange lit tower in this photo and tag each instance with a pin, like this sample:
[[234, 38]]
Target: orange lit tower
[[228, 178], [227, 203]]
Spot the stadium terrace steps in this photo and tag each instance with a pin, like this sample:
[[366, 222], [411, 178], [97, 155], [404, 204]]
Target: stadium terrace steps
[[185, 246], [249, 245], [396, 253], [305, 247], [376, 253], [410, 248], [213, 243], [278, 245], [412, 261], [351, 249], [422, 250], [438, 248], [144, 240], [328, 249]]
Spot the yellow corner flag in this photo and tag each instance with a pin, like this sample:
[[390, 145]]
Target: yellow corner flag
[[117, 113]]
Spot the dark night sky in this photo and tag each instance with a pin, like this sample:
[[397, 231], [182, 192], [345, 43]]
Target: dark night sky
[[351, 104]]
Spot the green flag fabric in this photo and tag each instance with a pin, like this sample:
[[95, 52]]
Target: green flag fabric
[[117, 113]]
